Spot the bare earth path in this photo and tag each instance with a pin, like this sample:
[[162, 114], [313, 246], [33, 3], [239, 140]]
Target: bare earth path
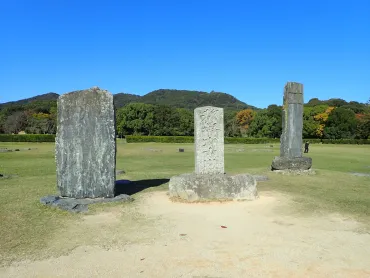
[[187, 240]]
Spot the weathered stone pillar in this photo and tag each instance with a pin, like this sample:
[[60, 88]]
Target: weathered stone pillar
[[209, 181], [86, 144], [291, 137], [209, 140]]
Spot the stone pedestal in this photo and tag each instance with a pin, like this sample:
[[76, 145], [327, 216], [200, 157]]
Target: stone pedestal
[[209, 182], [197, 187], [294, 163]]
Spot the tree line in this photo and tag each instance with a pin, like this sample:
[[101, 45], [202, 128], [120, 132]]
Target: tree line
[[333, 119]]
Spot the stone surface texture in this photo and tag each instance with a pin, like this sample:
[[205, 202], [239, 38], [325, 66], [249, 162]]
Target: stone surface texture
[[209, 140], [196, 187], [86, 144], [292, 127], [209, 181], [80, 205], [294, 163], [291, 137]]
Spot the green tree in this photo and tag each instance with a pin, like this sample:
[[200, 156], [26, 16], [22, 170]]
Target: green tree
[[135, 118], [341, 123], [231, 127], [15, 122], [166, 121], [274, 114], [40, 123], [186, 122], [309, 124], [264, 125]]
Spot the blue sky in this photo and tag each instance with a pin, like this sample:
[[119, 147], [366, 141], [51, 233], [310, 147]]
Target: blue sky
[[248, 49]]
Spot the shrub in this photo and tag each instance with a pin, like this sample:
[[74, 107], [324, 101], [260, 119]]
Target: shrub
[[27, 137], [159, 139], [248, 140]]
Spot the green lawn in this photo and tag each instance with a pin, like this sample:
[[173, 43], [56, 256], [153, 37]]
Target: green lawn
[[26, 226]]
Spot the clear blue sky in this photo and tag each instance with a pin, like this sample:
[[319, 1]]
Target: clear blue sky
[[248, 49]]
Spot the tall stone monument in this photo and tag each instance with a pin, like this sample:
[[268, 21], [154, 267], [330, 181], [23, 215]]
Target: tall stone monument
[[209, 140], [86, 144], [209, 181], [291, 138]]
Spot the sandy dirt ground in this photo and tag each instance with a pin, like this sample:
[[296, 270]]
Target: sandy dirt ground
[[260, 239]]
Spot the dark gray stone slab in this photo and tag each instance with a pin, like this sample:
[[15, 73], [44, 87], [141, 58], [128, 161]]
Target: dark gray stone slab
[[80, 205], [292, 120], [295, 163], [86, 144], [195, 187], [291, 137]]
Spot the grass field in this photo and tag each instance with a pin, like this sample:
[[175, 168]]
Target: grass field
[[26, 227]]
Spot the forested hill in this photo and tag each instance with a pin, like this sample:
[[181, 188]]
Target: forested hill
[[44, 97], [183, 99], [193, 99], [175, 98]]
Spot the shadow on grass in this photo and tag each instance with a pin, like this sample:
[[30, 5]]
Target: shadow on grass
[[133, 187]]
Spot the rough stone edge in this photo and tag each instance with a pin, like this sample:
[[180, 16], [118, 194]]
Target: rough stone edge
[[220, 200], [276, 158], [291, 172], [80, 205]]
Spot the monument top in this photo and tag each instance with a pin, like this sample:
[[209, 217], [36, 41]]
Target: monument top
[[293, 93]]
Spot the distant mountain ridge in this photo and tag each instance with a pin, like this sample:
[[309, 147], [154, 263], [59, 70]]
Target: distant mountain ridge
[[188, 99], [176, 98], [48, 97]]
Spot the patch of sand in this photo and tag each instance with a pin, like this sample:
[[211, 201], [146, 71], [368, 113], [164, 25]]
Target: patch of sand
[[188, 241]]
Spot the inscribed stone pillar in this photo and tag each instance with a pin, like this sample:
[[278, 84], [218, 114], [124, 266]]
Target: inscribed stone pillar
[[86, 144], [209, 140], [291, 138]]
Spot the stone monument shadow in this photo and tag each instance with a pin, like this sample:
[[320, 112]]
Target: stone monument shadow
[[132, 187]]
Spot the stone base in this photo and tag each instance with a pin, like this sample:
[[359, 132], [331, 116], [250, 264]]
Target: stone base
[[80, 205], [295, 172], [195, 187], [295, 163]]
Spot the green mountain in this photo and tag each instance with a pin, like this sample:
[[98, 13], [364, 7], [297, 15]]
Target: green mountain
[[192, 99], [355, 106], [44, 97], [123, 99], [176, 98]]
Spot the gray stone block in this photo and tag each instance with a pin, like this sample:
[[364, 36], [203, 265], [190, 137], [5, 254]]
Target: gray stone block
[[194, 187], [291, 163], [292, 121], [292, 127], [293, 93], [86, 144], [209, 140]]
